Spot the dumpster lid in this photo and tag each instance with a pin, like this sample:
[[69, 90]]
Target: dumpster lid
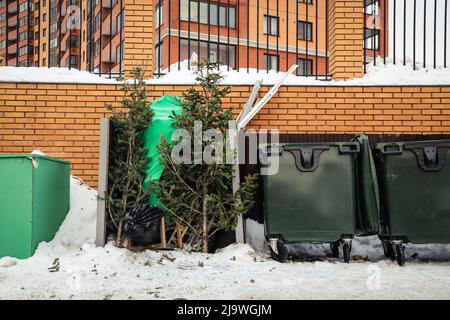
[[33, 156]]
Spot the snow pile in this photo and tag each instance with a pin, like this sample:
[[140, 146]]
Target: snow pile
[[50, 75]]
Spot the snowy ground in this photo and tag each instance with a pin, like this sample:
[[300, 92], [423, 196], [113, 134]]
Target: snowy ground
[[70, 267]]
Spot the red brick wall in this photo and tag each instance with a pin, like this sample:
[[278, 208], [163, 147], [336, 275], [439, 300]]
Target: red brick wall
[[63, 119]]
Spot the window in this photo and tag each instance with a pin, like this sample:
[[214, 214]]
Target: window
[[119, 22], [304, 30], [53, 27], [74, 61], [44, 3], [44, 32], [371, 39], [271, 61], [119, 52], [216, 52], [53, 43], [2, 3], [271, 25], [304, 67], [2, 31], [306, 1], [23, 6], [36, 35], [24, 50], [2, 44], [36, 50], [221, 15], [23, 35], [44, 62], [2, 16], [36, 21], [159, 55], [159, 16], [44, 17], [44, 47]]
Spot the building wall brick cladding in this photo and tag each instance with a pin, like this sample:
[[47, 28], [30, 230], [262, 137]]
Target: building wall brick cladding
[[346, 39], [139, 36], [63, 119]]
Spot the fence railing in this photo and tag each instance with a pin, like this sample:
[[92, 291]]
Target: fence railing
[[253, 35], [408, 32]]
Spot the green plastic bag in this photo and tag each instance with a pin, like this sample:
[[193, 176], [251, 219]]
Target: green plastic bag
[[162, 122]]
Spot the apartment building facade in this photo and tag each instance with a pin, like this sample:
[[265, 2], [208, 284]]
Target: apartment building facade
[[243, 34], [257, 34]]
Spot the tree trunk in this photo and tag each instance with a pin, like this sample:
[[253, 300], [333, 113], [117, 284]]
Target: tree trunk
[[205, 224]]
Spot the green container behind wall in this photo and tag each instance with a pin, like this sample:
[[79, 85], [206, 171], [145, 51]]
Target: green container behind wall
[[163, 110], [415, 191], [34, 200]]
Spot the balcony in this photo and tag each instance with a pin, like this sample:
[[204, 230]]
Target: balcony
[[12, 21], [105, 55], [12, 48], [12, 35], [12, 7]]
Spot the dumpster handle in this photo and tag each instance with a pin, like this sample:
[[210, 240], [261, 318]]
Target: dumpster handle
[[306, 157], [429, 157], [393, 149], [350, 148]]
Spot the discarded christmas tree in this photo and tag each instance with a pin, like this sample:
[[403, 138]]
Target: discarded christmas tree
[[127, 157], [197, 192]]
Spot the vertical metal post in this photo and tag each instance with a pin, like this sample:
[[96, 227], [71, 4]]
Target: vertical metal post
[[395, 28], [110, 37], [189, 35], [218, 36], [209, 31], [434, 40], [198, 31], [17, 33], [287, 35], [159, 38], [122, 20], [169, 44], [248, 35], [424, 33], [414, 35], [278, 35], [100, 237], [374, 30], [445, 35], [404, 32], [317, 39], [326, 40], [296, 32], [59, 32], [179, 33], [364, 36], [267, 36], [227, 21], [49, 18], [307, 38], [237, 27], [384, 32], [257, 36], [101, 36]]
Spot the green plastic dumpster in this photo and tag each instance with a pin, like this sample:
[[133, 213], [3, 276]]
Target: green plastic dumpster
[[163, 110], [415, 194], [34, 200], [312, 197], [368, 192]]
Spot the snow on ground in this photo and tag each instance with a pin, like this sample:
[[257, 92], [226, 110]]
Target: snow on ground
[[50, 75], [380, 74], [71, 267]]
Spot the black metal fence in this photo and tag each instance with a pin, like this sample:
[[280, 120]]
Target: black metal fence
[[408, 32], [230, 32]]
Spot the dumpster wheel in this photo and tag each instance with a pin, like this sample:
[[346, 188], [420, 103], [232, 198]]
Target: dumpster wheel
[[400, 250], [278, 250], [334, 246], [347, 248], [389, 251]]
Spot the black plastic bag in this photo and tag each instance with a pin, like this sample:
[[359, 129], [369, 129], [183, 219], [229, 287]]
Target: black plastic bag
[[143, 224]]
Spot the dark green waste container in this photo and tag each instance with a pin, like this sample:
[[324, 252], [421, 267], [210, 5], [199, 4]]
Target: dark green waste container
[[415, 194], [34, 200], [312, 197]]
